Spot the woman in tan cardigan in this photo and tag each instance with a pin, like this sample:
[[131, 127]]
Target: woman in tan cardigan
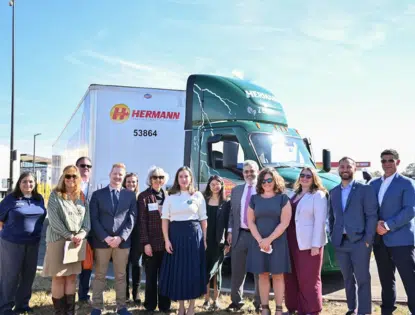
[[68, 221]]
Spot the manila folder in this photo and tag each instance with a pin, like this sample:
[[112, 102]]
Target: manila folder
[[74, 254]]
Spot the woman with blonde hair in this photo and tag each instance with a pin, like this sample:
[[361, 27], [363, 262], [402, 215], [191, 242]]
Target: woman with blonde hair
[[269, 214], [68, 221], [306, 239]]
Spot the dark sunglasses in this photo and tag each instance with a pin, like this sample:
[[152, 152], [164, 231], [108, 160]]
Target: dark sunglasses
[[69, 176], [268, 180], [157, 177], [308, 176], [387, 161], [85, 166]]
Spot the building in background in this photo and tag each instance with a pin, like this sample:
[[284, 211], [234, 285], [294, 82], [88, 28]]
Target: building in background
[[43, 167], [5, 169]]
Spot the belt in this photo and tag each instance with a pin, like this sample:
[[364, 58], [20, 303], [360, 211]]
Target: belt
[[246, 230]]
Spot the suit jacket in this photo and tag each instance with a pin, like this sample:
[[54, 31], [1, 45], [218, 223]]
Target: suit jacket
[[106, 222], [310, 220], [235, 212], [359, 218], [398, 210]]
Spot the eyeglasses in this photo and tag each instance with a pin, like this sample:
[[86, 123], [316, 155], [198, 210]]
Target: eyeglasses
[[308, 176], [249, 172], [268, 180], [69, 176], [387, 161], [85, 166], [157, 177]]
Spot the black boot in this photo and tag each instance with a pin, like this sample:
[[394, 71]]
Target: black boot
[[59, 305], [70, 304]]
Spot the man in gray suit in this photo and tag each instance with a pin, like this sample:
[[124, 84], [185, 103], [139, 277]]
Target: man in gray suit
[[113, 215], [353, 219], [239, 236]]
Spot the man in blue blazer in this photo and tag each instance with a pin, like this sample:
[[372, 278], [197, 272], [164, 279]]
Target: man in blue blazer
[[352, 220], [394, 243], [113, 213]]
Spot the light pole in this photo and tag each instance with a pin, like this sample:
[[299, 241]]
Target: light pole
[[12, 4], [34, 151]]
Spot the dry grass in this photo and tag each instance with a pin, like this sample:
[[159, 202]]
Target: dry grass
[[41, 301]]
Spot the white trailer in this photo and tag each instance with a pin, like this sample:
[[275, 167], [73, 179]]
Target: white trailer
[[139, 127]]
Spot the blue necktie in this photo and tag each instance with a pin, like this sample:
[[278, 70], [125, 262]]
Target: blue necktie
[[115, 200]]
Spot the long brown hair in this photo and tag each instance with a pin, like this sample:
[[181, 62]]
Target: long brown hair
[[124, 182], [279, 184], [60, 189], [176, 187], [208, 192], [316, 184]]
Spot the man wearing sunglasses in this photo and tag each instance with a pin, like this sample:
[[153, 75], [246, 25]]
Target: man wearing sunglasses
[[239, 236], [395, 239], [353, 216], [84, 165]]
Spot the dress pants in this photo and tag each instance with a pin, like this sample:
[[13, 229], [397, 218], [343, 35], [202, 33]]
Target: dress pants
[[152, 267], [239, 255], [102, 259], [354, 262], [388, 259], [18, 263], [303, 290]]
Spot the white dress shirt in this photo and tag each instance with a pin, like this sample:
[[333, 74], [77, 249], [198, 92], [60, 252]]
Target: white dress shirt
[[243, 200], [184, 207], [84, 188], [383, 188]]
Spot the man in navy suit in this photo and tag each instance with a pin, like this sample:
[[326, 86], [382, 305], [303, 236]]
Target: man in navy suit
[[394, 243], [352, 220], [113, 213]]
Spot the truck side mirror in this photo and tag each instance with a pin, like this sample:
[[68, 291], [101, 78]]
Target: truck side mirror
[[326, 160]]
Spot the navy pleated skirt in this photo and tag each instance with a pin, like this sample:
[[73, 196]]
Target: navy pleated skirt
[[183, 273]]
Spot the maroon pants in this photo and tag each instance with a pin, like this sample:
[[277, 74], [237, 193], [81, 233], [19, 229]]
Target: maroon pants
[[303, 285]]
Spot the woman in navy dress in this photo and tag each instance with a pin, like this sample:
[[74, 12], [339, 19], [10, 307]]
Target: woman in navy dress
[[22, 214], [269, 214], [184, 224]]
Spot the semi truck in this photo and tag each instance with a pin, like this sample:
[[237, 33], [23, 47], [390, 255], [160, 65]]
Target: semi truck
[[212, 126]]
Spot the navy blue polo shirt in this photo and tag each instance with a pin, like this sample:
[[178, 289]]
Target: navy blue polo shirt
[[23, 219]]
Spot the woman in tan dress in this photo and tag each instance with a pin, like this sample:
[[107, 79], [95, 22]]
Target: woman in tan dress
[[69, 220]]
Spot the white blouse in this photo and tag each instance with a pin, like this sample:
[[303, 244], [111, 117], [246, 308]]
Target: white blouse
[[184, 207]]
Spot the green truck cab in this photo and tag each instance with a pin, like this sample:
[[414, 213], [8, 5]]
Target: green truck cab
[[231, 120]]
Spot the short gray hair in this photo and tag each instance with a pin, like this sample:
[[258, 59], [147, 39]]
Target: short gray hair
[[156, 169], [251, 163]]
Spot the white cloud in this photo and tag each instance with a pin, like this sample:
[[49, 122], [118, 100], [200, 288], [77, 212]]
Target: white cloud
[[238, 74]]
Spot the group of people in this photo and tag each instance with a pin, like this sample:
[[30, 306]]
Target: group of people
[[181, 236]]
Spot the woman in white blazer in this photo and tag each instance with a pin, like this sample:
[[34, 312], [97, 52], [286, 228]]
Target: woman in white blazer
[[306, 239]]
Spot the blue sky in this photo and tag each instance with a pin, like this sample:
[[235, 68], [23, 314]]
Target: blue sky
[[343, 70]]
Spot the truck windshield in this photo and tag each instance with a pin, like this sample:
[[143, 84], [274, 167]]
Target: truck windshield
[[279, 150]]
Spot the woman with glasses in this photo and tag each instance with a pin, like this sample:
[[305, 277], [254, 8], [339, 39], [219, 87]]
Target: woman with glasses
[[23, 213], [69, 220], [306, 239], [130, 182], [269, 214], [218, 214], [150, 203]]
